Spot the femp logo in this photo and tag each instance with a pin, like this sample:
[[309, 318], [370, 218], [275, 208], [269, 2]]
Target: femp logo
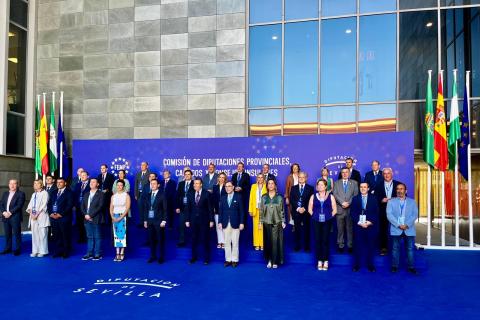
[[119, 164], [128, 287], [336, 163]]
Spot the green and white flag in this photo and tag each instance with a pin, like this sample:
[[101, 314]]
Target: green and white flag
[[454, 133], [38, 161], [52, 150], [428, 153]]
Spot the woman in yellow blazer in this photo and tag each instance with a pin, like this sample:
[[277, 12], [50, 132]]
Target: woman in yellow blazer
[[256, 192]]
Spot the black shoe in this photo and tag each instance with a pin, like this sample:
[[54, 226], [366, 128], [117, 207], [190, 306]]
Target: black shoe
[[234, 264], [6, 251], [161, 260], [307, 250], [57, 255], [340, 250], [192, 261], [80, 241], [383, 252], [206, 262], [227, 264], [355, 268], [394, 269], [371, 269], [180, 244], [296, 249], [152, 259], [16, 253], [350, 250], [65, 255], [87, 257], [96, 258], [412, 270]]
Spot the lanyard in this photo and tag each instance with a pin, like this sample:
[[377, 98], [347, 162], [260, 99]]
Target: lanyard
[[402, 206]]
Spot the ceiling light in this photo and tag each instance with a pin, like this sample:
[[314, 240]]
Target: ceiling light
[[429, 24], [14, 60]]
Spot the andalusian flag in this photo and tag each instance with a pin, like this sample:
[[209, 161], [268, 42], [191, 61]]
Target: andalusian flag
[[440, 132], [454, 133], [38, 162], [52, 152], [429, 122], [43, 138]]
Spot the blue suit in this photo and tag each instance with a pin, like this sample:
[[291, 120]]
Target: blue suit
[[232, 213], [13, 225], [170, 194], [364, 238], [373, 180], [407, 211], [61, 227]]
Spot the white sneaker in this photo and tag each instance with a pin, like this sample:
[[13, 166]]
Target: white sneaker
[[275, 266], [33, 255], [41, 255], [269, 265]]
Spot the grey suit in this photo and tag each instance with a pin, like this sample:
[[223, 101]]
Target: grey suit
[[343, 215]]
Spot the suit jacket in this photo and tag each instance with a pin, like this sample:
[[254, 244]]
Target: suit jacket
[[295, 197], [371, 211], [16, 204], [74, 182], [138, 179], [233, 213], [269, 177], [380, 193], [207, 183], [159, 207], [64, 204], [372, 183], [201, 212], [216, 195], [79, 194], [181, 193], [341, 196], [107, 183], [53, 189], [169, 192], [355, 175], [410, 212], [96, 206], [244, 182]]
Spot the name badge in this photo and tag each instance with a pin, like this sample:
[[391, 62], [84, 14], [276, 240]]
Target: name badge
[[151, 214], [81, 198], [185, 200], [362, 219], [55, 207], [299, 204], [321, 218], [140, 187], [401, 220]]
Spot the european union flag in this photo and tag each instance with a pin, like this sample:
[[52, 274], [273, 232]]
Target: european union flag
[[465, 134]]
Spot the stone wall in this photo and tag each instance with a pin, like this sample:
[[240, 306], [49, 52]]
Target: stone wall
[[145, 68]]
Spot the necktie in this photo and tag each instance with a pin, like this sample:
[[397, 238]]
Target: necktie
[[197, 197], [152, 199], [165, 185], [103, 177], [230, 200], [364, 202], [345, 186], [375, 175], [59, 193], [239, 176], [83, 185], [186, 186], [89, 201], [301, 190]]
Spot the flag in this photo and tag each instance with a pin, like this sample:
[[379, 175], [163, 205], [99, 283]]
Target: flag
[[62, 148], [465, 132], [43, 138], [440, 132], [429, 122], [52, 154], [38, 162], [454, 130]]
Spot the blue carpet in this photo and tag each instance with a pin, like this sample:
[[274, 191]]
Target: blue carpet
[[73, 289]]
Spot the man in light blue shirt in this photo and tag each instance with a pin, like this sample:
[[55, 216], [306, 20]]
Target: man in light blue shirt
[[402, 212]]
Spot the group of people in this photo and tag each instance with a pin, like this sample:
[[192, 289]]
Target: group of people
[[369, 211]]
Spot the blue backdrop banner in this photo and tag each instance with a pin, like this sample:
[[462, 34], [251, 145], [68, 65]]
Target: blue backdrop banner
[[312, 152]]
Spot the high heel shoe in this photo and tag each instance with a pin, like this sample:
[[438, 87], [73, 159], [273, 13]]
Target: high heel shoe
[[325, 266], [320, 265]]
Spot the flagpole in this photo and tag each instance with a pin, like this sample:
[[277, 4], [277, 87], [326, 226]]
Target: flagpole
[[53, 107], [457, 214], [45, 115], [36, 138], [442, 174], [469, 161], [60, 156], [429, 193]]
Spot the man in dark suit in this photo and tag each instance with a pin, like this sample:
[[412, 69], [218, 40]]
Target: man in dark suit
[[169, 187], [266, 173], [210, 178], [106, 180], [60, 209], [141, 180], [299, 198], [241, 182], [82, 188], [230, 219], [364, 213], [155, 220], [374, 177], [11, 208], [385, 192], [91, 209], [200, 219], [184, 188], [50, 185], [77, 179], [353, 174]]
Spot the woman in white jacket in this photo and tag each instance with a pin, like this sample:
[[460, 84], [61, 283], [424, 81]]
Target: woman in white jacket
[[39, 220]]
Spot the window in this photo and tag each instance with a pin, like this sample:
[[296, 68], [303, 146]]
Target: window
[[300, 121], [338, 7], [304, 9], [377, 117], [265, 11], [338, 60], [412, 4], [339, 119], [301, 63], [265, 66], [267, 122], [377, 59], [377, 6]]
